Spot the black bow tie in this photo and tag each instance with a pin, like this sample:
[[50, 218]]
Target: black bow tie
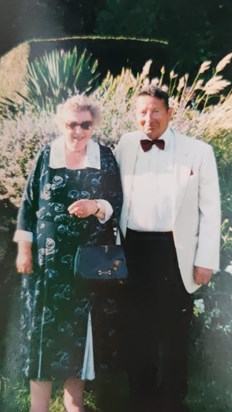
[[147, 144]]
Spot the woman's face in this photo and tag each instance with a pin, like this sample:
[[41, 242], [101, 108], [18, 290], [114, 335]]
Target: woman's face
[[77, 130]]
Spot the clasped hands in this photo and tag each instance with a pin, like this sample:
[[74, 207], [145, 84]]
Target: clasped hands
[[83, 208]]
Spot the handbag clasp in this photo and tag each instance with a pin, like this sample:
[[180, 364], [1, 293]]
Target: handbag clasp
[[104, 272]]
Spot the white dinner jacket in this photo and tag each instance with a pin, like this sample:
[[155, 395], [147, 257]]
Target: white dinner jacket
[[196, 228]]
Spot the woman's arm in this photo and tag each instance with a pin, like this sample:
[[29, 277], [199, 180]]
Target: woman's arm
[[26, 219], [24, 258]]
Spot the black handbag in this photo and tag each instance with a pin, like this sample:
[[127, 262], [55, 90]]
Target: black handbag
[[105, 262]]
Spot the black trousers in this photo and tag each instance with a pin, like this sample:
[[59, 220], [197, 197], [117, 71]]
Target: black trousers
[[159, 311]]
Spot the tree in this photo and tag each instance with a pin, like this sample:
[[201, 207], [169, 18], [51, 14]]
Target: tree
[[22, 20], [195, 30]]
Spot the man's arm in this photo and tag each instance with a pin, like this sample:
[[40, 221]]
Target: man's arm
[[207, 254], [202, 275]]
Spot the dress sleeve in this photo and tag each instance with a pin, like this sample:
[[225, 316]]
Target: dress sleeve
[[29, 204], [108, 210], [112, 183], [23, 235]]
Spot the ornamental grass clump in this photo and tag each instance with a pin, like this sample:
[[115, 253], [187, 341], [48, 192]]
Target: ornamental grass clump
[[54, 76], [201, 108], [51, 79], [115, 96]]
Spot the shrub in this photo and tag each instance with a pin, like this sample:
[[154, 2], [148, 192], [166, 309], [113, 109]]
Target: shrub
[[21, 138], [13, 80]]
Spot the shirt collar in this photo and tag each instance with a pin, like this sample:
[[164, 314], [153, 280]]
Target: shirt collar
[[167, 136], [57, 154]]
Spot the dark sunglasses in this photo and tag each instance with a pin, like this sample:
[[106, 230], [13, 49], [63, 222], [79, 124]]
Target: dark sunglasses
[[84, 125]]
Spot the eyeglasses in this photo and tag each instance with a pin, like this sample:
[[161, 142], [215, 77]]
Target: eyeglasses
[[86, 125]]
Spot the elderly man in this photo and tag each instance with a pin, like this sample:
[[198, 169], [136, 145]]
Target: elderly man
[[171, 226]]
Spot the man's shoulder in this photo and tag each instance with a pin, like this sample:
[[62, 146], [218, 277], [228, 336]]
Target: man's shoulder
[[192, 142]]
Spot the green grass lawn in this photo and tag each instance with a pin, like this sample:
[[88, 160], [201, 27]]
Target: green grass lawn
[[110, 394]]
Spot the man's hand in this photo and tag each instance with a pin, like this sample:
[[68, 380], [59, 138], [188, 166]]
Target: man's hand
[[24, 258], [202, 275]]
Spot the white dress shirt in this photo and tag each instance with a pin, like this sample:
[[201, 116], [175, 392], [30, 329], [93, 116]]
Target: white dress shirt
[[151, 205]]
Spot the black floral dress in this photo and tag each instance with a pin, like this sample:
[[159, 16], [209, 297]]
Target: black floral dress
[[56, 305]]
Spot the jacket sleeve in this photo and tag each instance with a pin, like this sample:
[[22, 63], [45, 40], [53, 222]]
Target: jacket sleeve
[[207, 253]]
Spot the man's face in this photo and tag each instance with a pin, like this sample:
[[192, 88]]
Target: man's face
[[152, 116]]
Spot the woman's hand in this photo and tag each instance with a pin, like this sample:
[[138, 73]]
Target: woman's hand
[[24, 258], [84, 208]]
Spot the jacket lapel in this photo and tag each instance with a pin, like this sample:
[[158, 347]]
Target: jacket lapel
[[130, 162], [183, 160], [127, 163]]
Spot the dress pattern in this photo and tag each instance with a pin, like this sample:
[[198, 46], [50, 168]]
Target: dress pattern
[[55, 304]]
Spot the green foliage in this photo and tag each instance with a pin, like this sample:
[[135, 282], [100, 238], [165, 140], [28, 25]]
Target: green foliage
[[210, 349], [21, 138], [11, 103], [211, 332], [54, 76], [211, 396], [9, 108], [195, 31], [15, 396], [192, 32], [12, 80], [52, 79]]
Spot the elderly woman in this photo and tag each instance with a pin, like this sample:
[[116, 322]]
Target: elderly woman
[[72, 192]]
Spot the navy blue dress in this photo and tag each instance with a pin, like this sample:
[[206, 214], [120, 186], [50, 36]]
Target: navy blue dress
[[56, 305]]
